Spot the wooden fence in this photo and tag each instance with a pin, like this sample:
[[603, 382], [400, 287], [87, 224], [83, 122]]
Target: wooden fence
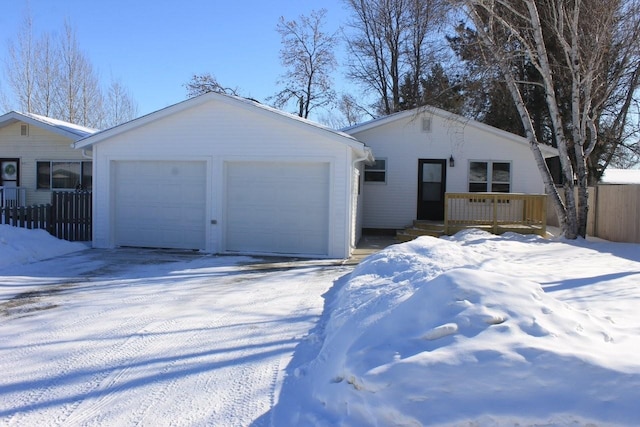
[[67, 217], [496, 212], [614, 213]]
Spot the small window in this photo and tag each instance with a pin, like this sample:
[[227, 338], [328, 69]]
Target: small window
[[376, 172], [426, 124], [24, 130], [487, 176], [64, 175]]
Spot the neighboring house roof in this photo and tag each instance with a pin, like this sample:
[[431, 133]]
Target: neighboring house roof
[[229, 99], [621, 176], [446, 115], [69, 130]]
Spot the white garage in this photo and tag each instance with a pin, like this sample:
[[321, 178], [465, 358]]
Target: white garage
[[159, 204], [277, 207], [223, 174]]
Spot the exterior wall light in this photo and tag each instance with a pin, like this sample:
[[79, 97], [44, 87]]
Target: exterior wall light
[[452, 161]]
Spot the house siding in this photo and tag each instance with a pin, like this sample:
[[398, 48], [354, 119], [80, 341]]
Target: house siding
[[39, 145], [402, 142], [217, 133]]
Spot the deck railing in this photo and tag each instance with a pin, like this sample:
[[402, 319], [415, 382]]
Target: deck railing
[[496, 212], [12, 196]]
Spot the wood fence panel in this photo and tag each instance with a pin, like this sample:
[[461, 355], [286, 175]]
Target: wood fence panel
[[614, 213], [618, 213], [71, 215]]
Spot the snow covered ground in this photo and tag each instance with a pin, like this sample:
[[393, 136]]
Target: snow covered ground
[[474, 329]]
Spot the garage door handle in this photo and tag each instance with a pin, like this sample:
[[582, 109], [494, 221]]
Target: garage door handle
[[214, 222]]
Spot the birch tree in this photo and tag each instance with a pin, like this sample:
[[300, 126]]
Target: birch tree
[[569, 43]]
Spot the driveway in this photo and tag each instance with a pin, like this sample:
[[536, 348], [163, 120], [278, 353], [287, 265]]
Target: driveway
[[147, 337]]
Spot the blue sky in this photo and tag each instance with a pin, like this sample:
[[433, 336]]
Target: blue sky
[[154, 47]]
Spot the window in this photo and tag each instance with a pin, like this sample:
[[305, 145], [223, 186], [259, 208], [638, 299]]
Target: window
[[489, 177], [376, 172], [64, 175]]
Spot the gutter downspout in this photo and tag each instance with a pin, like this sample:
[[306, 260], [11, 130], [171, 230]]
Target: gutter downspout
[[353, 218]]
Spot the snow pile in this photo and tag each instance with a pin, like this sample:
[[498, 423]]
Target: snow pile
[[461, 331], [22, 246]]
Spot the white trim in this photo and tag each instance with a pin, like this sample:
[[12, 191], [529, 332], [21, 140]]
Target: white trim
[[68, 130], [429, 110], [227, 99]]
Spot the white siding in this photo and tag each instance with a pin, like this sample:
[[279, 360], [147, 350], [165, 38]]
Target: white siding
[[280, 207], [219, 132], [38, 145], [402, 142]]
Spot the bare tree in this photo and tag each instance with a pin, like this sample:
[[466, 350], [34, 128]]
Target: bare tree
[[389, 44], [348, 112], [80, 95], [20, 67], [307, 53], [203, 83], [119, 107], [47, 68], [52, 76], [568, 42]]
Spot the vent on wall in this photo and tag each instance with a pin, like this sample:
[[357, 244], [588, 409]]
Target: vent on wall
[[24, 130], [426, 124]]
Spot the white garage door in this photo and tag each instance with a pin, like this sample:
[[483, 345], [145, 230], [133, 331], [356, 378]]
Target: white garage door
[[277, 207], [160, 204]]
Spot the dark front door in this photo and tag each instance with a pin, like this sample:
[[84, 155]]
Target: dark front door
[[432, 175]]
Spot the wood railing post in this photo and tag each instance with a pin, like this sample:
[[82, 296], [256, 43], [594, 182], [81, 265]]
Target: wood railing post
[[495, 214], [446, 214]]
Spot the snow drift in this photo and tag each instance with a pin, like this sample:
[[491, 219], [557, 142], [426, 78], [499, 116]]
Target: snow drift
[[450, 332]]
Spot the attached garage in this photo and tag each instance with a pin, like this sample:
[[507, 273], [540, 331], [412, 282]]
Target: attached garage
[[224, 174], [277, 207], [159, 204]]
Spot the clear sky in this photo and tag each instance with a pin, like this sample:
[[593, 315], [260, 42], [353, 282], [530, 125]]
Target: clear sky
[[155, 46]]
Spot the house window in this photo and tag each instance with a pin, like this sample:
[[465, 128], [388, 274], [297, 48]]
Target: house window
[[487, 176], [376, 172], [64, 175]]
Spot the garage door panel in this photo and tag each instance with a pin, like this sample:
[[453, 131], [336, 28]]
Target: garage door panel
[[278, 207], [160, 204]]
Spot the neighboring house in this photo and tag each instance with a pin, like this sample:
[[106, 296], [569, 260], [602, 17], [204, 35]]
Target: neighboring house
[[226, 175], [423, 153], [36, 157]]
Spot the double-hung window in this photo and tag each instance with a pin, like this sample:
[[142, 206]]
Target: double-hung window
[[64, 175], [487, 176], [376, 172]]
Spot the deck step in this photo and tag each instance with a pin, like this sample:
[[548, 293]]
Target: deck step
[[420, 228]]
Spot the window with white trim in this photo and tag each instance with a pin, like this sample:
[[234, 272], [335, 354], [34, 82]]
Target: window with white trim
[[376, 172], [486, 176], [64, 175]]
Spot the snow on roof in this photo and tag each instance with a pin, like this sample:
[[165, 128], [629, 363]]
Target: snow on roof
[[81, 131], [67, 129], [621, 176]]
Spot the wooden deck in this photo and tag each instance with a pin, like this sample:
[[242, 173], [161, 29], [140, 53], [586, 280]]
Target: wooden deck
[[495, 213]]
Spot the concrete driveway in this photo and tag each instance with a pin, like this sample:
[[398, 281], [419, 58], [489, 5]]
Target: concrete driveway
[[150, 337]]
